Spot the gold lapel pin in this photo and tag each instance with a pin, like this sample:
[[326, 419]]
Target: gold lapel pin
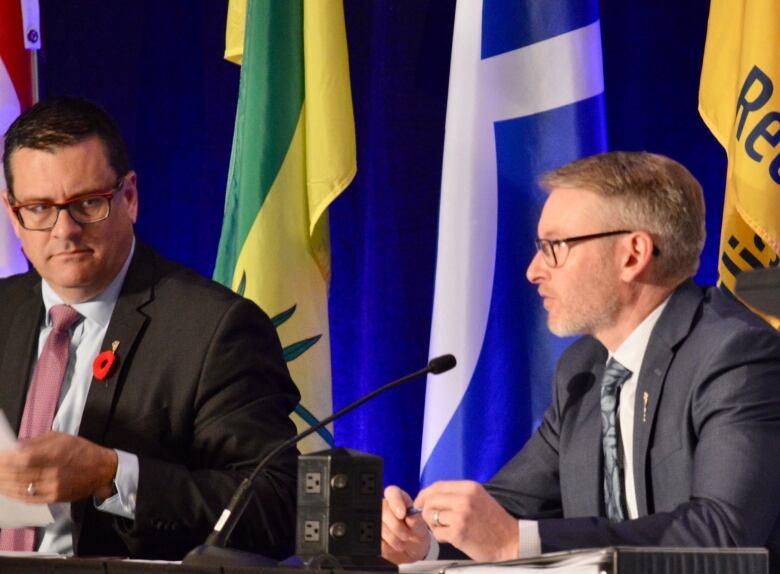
[[645, 398]]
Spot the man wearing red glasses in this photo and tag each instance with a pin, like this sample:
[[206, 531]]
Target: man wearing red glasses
[[142, 393], [664, 429]]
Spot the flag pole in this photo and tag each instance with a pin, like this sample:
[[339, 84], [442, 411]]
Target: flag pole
[[34, 76], [31, 24]]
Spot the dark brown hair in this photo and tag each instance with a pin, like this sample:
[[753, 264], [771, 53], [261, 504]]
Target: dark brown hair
[[61, 122]]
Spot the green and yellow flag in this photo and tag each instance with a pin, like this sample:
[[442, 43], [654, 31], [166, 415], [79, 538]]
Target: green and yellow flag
[[293, 154], [739, 100]]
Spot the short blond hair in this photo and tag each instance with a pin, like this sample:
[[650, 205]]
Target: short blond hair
[[651, 193]]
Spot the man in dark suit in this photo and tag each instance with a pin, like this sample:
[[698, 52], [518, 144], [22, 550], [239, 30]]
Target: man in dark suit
[[664, 427], [149, 442]]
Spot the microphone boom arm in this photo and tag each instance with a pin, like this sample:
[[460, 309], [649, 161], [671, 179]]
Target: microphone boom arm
[[238, 503]]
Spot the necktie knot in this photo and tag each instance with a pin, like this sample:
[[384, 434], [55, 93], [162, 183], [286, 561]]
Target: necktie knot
[[614, 376], [63, 317]]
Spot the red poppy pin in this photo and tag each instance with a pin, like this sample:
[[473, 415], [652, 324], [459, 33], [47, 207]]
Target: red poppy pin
[[104, 361]]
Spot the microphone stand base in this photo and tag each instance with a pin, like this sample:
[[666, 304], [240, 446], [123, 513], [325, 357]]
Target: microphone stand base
[[208, 555]]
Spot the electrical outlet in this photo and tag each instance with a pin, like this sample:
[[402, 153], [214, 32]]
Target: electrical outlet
[[313, 484], [311, 531], [367, 483], [367, 532]]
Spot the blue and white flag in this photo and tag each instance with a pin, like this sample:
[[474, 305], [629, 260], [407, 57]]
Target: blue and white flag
[[526, 95]]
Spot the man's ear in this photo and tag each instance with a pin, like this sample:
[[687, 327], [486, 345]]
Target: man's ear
[[9, 212], [130, 195], [636, 255]]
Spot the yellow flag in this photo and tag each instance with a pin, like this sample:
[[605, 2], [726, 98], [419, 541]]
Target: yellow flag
[[739, 100], [293, 154], [234, 31]]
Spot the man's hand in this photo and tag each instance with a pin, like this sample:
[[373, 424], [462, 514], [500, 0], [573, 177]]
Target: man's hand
[[463, 514], [404, 538], [57, 467]]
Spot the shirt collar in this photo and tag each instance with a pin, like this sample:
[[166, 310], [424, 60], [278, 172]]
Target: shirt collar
[[632, 351], [100, 307]]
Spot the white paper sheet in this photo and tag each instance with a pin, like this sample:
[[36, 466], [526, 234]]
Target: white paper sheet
[[15, 513]]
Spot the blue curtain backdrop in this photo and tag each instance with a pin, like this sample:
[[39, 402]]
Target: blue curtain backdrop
[[158, 68]]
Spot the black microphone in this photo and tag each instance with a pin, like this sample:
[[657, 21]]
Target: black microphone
[[237, 505]]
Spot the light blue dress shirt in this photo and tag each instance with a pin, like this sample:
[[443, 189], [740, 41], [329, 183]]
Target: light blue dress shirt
[[85, 345]]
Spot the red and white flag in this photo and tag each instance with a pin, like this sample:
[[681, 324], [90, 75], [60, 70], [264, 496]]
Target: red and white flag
[[19, 37]]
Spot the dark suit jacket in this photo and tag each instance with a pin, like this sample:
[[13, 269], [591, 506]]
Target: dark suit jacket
[[200, 393], [706, 459]]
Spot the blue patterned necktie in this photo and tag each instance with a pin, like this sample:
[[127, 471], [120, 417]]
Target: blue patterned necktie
[[614, 377]]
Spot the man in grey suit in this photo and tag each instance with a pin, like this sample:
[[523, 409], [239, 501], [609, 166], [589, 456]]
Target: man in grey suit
[[664, 427], [148, 443]]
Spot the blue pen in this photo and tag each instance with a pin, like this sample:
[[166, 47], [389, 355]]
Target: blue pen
[[411, 511]]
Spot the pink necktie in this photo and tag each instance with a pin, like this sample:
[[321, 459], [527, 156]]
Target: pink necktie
[[42, 399]]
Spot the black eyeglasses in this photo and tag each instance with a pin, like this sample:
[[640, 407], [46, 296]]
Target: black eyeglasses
[[555, 251], [89, 208]]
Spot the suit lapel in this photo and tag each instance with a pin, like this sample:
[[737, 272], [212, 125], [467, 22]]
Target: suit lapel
[[586, 457], [657, 359], [594, 484], [20, 351], [126, 323], [673, 326]]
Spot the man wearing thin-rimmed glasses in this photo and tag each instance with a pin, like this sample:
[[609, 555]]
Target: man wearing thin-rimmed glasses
[[664, 429]]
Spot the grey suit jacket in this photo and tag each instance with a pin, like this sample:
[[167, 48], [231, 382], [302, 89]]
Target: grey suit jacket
[[200, 393], [706, 455]]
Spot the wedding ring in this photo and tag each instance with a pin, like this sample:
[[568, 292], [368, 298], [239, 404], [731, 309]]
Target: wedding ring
[[31, 489], [435, 516]]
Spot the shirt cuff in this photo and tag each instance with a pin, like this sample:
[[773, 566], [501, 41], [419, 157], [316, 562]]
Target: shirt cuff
[[122, 503], [529, 544], [433, 549]]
